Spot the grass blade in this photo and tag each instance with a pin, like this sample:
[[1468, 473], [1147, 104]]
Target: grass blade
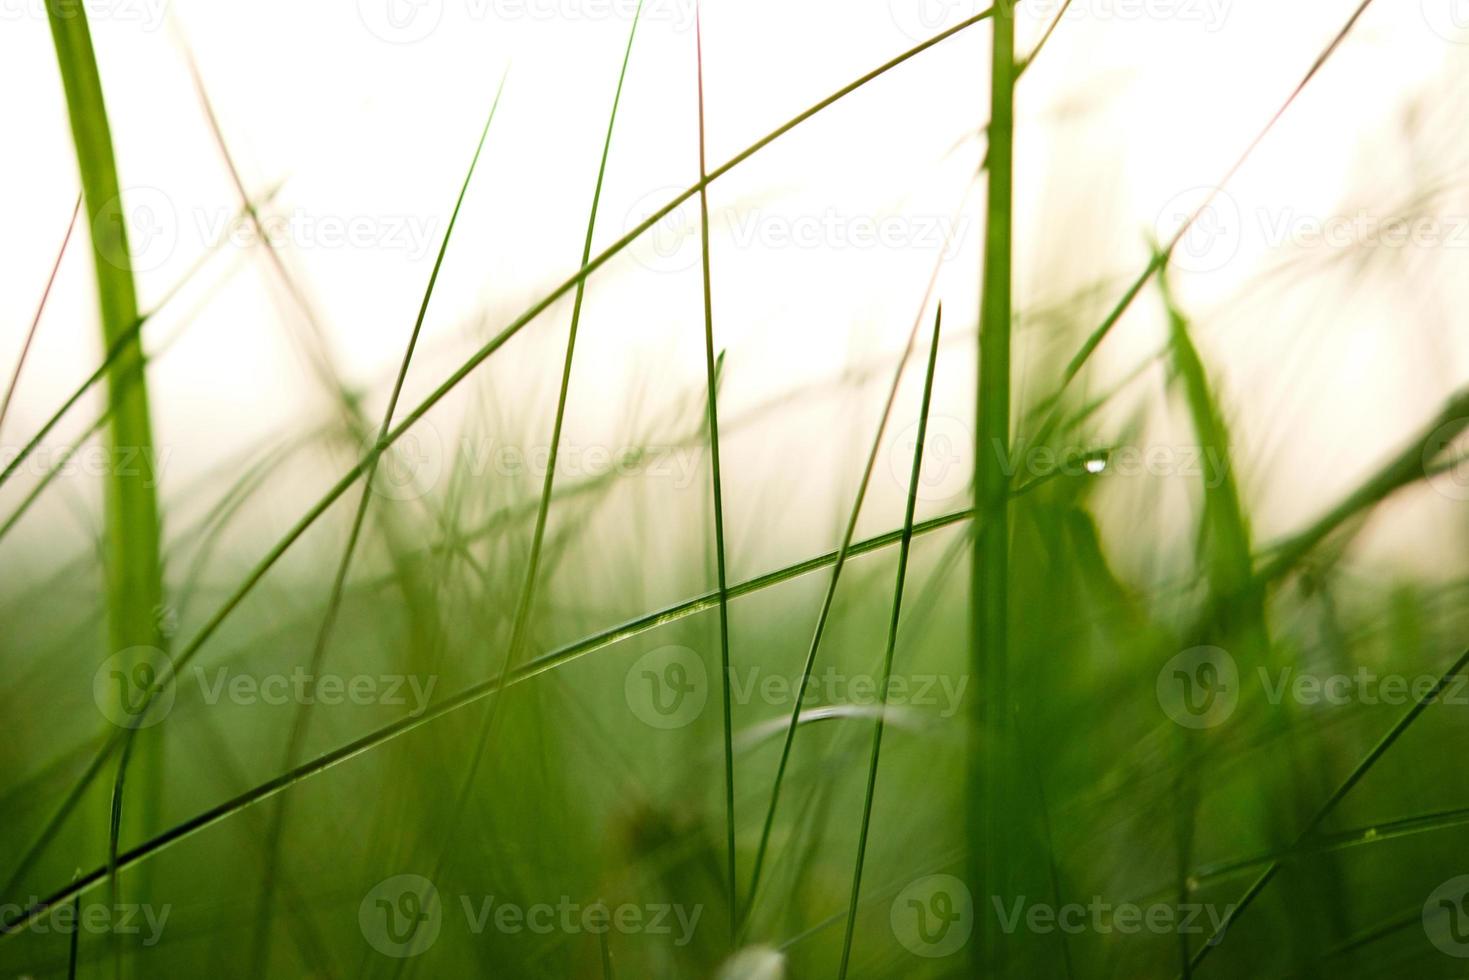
[[887, 665], [990, 560], [711, 381]]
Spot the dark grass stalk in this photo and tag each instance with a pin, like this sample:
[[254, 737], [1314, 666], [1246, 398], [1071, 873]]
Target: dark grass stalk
[[717, 479], [1161, 258], [300, 723], [75, 940], [486, 351], [1357, 774], [990, 565], [131, 546], [904, 546], [843, 553], [25, 347]]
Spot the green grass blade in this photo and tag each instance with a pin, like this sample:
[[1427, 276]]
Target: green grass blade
[[133, 566], [711, 374], [132, 559], [892, 643], [843, 553], [990, 560]]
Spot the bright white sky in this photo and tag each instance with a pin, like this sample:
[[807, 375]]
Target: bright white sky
[[369, 109]]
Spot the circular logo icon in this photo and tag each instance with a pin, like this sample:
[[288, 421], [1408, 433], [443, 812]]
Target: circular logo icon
[[933, 916], [922, 19], [401, 21], [673, 243], [401, 917], [1449, 19], [1447, 469], [1214, 229], [667, 688], [948, 456], [1199, 688], [135, 688], [1446, 917], [137, 231], [410, 468]]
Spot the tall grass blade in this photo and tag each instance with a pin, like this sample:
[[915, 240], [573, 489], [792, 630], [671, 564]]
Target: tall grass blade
[[711, 373], [990, 561], [904, 545]]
